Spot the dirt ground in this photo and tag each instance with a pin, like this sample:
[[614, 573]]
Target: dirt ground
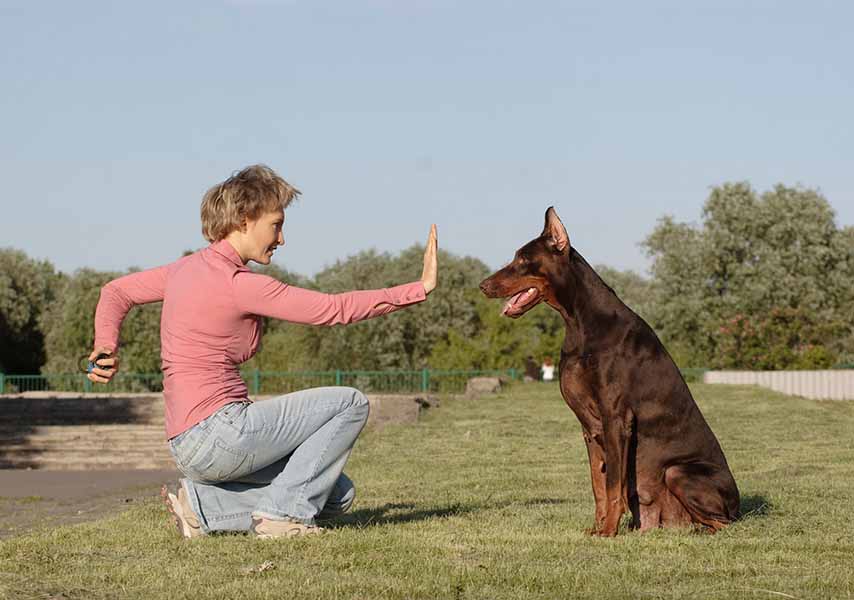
[[36, 499]]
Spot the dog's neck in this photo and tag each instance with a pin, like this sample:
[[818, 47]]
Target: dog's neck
[[594, 315]]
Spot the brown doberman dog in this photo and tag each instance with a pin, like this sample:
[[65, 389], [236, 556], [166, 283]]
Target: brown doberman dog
[[651, 451]]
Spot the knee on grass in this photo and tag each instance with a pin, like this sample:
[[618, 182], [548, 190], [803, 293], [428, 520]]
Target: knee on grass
[[340, 499]]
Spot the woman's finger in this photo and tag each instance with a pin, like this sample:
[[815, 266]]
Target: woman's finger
[[112, 362], [108, 373], [95, 378]]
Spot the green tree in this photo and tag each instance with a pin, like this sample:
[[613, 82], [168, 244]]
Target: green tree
[[633, 289], [784, 338], [404, 339], [27, 288], [498, 341], [754, 256], [843, 345], [679, 313]]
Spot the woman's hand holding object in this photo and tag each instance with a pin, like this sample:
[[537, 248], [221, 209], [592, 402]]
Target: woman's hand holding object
[[105, 365]]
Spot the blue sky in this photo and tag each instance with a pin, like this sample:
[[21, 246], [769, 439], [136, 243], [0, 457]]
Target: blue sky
[[115, 117]]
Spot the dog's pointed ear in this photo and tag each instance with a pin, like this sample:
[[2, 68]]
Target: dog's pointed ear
[[555, 231]]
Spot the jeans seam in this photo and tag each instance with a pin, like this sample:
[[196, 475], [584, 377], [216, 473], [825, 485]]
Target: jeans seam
[[281, 515], [230, 517]]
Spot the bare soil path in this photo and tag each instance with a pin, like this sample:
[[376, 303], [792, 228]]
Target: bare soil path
[[33, 499]]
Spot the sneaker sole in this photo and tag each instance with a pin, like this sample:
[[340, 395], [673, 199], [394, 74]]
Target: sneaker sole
[[297, 531], [278, 536], [170, 500]]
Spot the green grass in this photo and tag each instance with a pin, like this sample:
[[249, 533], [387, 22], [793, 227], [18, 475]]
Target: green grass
[[490, 499]]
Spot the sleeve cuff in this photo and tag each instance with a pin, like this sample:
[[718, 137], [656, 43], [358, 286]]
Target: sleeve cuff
[[409, 293]]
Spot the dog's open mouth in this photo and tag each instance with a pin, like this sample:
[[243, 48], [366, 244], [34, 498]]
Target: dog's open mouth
[[521, 302]]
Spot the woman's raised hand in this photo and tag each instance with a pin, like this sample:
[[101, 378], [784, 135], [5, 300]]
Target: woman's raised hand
[[431, 251]]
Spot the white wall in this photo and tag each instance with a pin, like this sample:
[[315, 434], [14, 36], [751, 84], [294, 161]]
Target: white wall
[[819, 385]]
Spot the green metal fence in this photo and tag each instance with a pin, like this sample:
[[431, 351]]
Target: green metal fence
[[74, 382], [282, 382], [266, 383]]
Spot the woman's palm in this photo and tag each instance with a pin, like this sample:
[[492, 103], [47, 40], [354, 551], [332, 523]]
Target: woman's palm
[[429, 275]]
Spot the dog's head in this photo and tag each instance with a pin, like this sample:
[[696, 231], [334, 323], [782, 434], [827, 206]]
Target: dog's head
[[529, 277]]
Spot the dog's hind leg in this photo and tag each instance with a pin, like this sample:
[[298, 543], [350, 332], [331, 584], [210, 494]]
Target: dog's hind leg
[[707, 492]]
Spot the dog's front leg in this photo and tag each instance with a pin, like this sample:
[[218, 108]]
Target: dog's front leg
[[596, 457], [617, 437]]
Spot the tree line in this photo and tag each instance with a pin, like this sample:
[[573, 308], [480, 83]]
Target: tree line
[[764, 281]]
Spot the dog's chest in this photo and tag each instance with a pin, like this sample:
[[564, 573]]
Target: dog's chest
[[577, 391]]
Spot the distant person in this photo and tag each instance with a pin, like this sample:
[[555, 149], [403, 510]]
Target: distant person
[[272, 468], [532, 370], [548, 369]]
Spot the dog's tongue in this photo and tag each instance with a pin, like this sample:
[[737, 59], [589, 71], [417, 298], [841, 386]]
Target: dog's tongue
[[518, 300]]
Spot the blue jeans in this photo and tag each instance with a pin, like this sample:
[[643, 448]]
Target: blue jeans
[[280, 458]]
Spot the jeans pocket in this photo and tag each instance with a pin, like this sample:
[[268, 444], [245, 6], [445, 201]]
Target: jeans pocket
[[220, 461], [185, 446]]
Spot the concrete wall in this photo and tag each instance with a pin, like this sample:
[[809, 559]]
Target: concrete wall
[[818, 385]]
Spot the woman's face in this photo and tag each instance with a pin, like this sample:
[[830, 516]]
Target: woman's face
[[263, 235]]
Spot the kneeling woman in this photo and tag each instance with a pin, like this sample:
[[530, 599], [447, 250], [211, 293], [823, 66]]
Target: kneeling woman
[[272, 467]]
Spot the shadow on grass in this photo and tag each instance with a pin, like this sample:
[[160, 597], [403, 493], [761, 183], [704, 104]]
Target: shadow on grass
[[754, 506], [545, 501], [406, 512], [392, 513]]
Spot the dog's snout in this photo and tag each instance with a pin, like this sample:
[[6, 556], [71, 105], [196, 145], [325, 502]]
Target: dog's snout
[[486, 286]]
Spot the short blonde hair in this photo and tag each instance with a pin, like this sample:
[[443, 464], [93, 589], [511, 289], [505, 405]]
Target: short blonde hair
[[245, 195]]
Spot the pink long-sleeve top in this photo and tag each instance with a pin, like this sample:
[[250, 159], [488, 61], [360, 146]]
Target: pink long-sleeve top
[[211, 322]]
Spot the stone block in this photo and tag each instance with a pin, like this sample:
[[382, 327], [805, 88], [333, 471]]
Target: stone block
[[478, 386]]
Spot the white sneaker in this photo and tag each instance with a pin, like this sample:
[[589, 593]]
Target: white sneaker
[[278, 528]]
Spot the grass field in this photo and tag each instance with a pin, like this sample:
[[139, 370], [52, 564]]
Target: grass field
[[490, 499]]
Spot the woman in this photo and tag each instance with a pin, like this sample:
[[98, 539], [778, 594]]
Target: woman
[[274, 467]]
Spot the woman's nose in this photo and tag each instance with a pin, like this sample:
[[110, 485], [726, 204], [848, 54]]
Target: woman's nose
[[281, 239]]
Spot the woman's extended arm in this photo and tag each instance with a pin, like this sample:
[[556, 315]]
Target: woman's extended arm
[[117, 298], [262, 295]]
